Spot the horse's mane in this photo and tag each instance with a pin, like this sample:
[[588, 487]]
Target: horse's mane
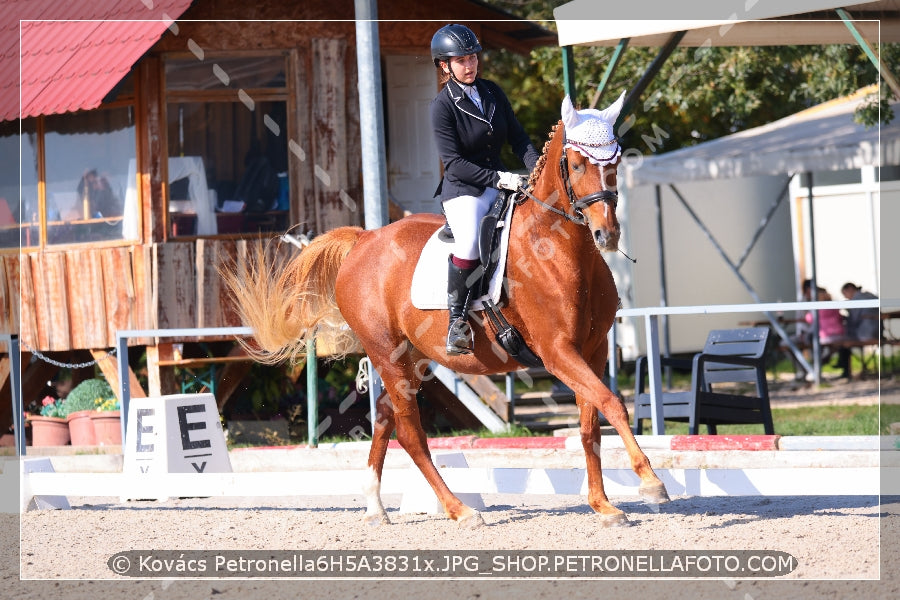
[[542, 159]]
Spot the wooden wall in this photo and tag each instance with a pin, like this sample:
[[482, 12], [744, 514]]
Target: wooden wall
[[323, 137], [79, 299]]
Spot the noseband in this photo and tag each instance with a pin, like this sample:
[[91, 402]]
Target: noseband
[[578, 204]]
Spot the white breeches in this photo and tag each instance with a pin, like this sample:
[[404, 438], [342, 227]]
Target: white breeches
[[464, 214]]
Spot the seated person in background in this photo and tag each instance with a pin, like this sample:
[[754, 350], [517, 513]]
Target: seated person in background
[[831, 328], [862, 323], [831, 322], [102, 201]]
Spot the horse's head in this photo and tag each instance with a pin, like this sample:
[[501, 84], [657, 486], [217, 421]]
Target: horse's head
[[589, 157]]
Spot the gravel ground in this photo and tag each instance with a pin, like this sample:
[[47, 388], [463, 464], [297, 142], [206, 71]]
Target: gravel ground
[[845, 546], [831, 538]]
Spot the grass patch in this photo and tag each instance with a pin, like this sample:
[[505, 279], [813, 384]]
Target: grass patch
[[890, 413], [813, 420]]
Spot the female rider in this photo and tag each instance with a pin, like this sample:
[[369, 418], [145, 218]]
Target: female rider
[[472, 119]]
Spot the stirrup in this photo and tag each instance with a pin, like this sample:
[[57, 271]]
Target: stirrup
[[459, 337]]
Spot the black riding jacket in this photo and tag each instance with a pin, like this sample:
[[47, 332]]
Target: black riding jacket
[[469, 142]]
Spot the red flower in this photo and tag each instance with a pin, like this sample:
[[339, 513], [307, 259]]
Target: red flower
[[48, 400]]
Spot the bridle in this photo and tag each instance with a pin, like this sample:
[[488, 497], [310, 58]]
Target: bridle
[[577, 204]]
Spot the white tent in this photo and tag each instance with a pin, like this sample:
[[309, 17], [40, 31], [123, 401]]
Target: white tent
[[728, 180], [588, 22], [822, 138], [730, 186]]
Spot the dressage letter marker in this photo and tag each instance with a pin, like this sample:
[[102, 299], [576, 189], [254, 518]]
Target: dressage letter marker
[[175, 434]]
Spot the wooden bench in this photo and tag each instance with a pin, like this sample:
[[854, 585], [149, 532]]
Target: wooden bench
[[887, 339], [836, 345], [730, 356]]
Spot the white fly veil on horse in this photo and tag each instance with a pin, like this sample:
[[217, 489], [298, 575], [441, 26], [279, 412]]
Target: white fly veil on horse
[[590, 131]]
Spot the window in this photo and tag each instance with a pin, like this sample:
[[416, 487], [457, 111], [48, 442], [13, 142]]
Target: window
[[888, 173], [87, 163], [90, 175], [226, 125], [17, 203], [840, 177]]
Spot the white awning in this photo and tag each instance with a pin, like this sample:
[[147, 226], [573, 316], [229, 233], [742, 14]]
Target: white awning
[[821, 138], [587, 22]]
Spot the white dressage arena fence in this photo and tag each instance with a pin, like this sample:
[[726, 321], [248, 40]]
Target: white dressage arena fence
[[175, 448], [781, 481]]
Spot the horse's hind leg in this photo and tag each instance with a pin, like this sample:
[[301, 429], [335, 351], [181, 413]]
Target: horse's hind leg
[[590, 440], [384, 427], [402, 384]]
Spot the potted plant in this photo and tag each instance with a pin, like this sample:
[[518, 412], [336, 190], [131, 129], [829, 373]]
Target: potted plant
[[107, 420], [78, 406], [50, 427]]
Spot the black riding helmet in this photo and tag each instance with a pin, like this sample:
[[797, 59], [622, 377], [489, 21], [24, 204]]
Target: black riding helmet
[[453, 40]]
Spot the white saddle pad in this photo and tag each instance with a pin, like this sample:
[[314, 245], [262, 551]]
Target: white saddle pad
[[429, 284]]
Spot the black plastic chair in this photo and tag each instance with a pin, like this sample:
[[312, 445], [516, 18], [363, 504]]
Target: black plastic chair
[[730, 356]]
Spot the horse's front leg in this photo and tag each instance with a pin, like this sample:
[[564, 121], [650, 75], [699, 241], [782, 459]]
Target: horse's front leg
[[384, 427], [571, 368], [590, 440]]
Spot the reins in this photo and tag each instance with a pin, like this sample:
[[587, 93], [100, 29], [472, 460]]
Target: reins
[[553, 209]]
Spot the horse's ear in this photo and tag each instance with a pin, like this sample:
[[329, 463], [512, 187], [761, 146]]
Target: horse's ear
[[611, 112], [569, 115]]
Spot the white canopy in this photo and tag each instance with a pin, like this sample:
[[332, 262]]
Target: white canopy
[[588, 22], [821, 138]]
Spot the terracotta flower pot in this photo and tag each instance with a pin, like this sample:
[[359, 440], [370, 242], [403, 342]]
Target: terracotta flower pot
[[81, 428], [48, 431], [107, 427]]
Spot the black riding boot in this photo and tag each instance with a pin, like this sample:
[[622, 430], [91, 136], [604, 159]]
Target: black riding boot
[[459, 334]]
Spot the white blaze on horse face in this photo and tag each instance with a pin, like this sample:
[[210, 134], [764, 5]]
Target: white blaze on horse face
[[606, 236]]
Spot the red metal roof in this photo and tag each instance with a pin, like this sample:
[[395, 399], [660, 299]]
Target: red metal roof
[[67, 56]]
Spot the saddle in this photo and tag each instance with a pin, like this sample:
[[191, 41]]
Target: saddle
[[489, 235]]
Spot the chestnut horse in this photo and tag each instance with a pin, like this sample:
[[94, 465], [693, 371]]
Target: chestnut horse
[[560, 295]]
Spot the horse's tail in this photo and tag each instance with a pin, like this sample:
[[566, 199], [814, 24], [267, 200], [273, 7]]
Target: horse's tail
[[288, 298]]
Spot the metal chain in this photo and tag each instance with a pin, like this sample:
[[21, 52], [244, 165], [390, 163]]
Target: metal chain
[[63, 365]]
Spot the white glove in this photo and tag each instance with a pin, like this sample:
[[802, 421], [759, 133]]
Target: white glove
[[511, 181]]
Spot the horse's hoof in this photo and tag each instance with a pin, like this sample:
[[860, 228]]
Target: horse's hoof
[[473, 521], [376, 519], [654, 493], [615, 520]]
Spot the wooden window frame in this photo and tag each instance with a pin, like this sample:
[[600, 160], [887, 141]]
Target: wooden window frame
[[40, 133], [230, 95]]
